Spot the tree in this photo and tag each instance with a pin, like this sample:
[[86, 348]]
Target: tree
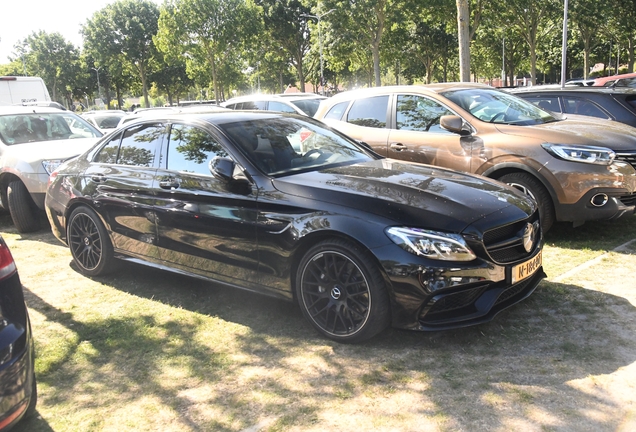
[[54, 59], [463, 36], [533, 21], [360, 24], [122, 33], [286, 24], [206, 32], [587, 16]]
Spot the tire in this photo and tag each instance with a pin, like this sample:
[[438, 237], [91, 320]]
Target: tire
[[533, 188], [23, 211], [88, 240], [30, 411], [341, 292]]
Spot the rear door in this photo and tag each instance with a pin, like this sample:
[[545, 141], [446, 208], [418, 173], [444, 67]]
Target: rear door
[[416, 134], [120, 182], [205, 225]]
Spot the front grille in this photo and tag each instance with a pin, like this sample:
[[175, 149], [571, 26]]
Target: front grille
[[630, 158], [505, 244], [513, 290], [628, 200], [456, 300]]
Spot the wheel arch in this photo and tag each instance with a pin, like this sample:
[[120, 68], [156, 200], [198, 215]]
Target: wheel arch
[[502, 169], [311, 239], [83, 203]]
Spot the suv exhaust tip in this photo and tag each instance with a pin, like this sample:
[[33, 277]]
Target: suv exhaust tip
[[599, 200]]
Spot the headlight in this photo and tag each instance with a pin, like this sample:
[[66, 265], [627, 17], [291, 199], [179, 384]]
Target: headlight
[[585, 154], [51, 165], [431, 244]]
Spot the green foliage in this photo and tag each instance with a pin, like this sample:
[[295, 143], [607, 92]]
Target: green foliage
[[209, 34]]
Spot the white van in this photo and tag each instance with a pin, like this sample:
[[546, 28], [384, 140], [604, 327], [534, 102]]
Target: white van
[[22, 90]]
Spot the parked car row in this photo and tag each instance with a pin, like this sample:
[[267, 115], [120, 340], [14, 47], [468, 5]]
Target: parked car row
[[419, 207], [577, 168]]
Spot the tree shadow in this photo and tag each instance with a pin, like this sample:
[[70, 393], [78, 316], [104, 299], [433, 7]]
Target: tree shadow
[[526, 359]]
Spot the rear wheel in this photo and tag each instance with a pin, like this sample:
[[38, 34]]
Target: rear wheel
[[533, 188], [341, 292], [89, 242], [23, 211]]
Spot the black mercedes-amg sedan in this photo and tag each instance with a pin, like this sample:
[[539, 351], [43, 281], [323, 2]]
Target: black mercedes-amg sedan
[[285, 206]]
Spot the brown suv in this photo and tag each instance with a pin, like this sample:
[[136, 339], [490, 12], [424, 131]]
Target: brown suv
[[577, 168]]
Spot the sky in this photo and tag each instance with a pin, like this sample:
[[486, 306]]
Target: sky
[[20, 18]]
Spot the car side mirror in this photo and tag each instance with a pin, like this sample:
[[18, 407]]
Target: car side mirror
[[225, 169], [454, 124]]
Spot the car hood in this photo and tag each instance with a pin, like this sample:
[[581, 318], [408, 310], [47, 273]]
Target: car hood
[[56, 149], [579, 130], [411, 194]]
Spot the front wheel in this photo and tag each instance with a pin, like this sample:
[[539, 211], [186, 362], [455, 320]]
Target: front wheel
[[532, 187], [23, 211], [89, 242], [341, 292]]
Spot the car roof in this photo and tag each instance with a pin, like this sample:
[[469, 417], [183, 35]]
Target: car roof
[[602, 80], [576, 89], [24, 109], [425, 88], [282, 96], [218, 117]]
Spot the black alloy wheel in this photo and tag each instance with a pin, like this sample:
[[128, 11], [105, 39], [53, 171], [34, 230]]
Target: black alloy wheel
[[533, 188], [341, 292], [89, 242]]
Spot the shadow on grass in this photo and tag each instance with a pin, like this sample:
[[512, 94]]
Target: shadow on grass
[[523, 361]]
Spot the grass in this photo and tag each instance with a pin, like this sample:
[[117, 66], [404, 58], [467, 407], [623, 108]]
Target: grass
[[146, 350]]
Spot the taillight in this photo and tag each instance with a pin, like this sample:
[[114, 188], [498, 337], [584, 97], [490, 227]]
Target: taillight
[[7, 265]]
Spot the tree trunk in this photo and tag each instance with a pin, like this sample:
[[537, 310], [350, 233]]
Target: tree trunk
[[376, 64], [631, 67], [463, 17]]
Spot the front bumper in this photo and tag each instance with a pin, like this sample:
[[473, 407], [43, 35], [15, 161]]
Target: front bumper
[[619, 203], [432, 295]]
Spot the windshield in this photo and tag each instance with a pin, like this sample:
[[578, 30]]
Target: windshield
[[285, 145], [25, 128], [495, 106]]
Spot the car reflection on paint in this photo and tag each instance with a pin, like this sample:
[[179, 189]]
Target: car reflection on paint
[[360, 242]]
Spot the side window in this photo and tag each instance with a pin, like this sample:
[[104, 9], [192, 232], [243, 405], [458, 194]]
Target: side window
[[417, 113], [337, 111], [574, 105], [369, 112], [139, 145], [108, 153], [550, 103], [190, 149], [281, 107]]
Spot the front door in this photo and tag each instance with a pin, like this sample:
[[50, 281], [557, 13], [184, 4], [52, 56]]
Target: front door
[[416, 135], [205, 225]]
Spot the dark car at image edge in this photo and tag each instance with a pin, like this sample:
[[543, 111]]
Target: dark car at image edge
[[284, 206], [18, 391]]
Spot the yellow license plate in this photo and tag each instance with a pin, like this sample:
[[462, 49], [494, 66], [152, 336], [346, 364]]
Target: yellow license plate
[[526, 269]]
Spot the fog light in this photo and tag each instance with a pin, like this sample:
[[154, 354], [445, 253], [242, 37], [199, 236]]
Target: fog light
[[599, 200]]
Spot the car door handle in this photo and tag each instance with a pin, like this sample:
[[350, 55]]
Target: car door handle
[[98, 178], [171, 183], [398, 146]]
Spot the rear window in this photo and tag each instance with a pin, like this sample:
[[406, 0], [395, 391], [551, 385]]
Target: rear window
[[631, 101], [369, 112], [308, 106]]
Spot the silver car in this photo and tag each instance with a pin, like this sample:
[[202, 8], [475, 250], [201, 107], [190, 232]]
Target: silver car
[[33, 142]]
